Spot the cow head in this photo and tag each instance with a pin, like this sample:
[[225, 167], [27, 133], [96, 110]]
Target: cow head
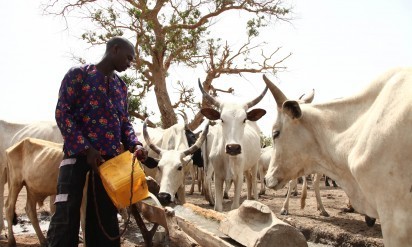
[[171, 166], [294, 145], [233, 118]]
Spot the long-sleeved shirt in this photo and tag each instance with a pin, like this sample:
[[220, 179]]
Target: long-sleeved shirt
[[92, 112]]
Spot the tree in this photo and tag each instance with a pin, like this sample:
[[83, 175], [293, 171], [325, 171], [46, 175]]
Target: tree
[[174, 32]]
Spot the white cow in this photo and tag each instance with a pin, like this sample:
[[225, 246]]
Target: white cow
[[157, 137], [363, 142], [11, 133], [173, 161], [209, 170], [263, 165], [27, 162], [235, 148]]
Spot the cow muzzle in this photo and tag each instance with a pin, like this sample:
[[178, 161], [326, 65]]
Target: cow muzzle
[[164, 198], [270, 182], [233, 149]]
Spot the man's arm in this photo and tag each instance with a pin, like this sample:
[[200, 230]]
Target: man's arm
[[73, 138]]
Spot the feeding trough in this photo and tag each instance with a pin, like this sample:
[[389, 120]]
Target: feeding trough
[[252, 224]]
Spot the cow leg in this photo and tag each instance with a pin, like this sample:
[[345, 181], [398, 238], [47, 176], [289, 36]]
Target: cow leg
[[3, 178], [238, 180], [193, 176], [209, 193], [261, 177], [247, 175], [14, 190], [285, 207], [32, 214], [326, 181], [199, 176], [317, 193], [218, 193], [254, 182], [228, 184], [304, 193]]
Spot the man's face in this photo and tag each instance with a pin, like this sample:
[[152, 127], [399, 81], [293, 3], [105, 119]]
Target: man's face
[[124, 56]]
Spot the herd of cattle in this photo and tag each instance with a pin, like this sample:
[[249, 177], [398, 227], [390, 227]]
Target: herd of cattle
[[361, 141]]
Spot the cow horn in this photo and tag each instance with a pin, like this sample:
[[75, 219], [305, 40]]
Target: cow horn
[[277, 94], [184, 116], [258, 98], [211, 99], [308, 98], [198, 142], [155, 148]]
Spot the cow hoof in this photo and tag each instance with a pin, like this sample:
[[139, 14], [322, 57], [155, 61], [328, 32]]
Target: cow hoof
[[284, 212], [348, 210], [261, 193], [369, 221], [324, 214]]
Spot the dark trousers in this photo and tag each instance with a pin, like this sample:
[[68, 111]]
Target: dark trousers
[[65, 222]]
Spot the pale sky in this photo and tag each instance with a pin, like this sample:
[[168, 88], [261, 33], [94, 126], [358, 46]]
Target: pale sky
[[338, 47]]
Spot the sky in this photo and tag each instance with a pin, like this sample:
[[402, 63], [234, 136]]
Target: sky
[[337, 48]]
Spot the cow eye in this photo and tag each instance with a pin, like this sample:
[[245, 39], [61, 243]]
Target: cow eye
[[275, 134], [180, 168], [244, 120], [221, 120]]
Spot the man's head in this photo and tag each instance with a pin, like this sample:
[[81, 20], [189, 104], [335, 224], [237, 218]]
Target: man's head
[[120, 53]]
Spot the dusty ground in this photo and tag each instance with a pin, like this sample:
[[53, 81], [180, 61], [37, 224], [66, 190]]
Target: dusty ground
[[340, 229]]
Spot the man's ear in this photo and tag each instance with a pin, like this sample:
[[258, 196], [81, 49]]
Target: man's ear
[[292, 109]]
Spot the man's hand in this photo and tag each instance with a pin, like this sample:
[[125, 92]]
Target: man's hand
[[94, 159], [140, 153]]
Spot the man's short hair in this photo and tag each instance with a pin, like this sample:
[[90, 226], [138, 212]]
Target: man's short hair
[[118, 40]]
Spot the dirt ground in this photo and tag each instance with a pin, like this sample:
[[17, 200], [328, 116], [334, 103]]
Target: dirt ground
[[339, 229]]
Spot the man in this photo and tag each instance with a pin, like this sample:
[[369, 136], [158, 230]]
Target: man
[[92, 115]]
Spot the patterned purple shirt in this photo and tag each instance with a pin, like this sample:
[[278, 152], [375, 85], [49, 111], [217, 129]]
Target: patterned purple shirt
[[92, 112]]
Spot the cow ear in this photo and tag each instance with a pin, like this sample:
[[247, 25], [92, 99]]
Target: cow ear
[[210, 113], [255, 114], [151, 162], [292, 108]]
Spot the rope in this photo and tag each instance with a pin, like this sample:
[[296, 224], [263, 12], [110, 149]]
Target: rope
[[130, 203]]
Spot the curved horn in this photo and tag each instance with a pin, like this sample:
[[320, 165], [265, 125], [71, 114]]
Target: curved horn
[[211, 99], [155, 148], [308, 98], [198, 142], [277, 94], [258, 98], [184, 116]]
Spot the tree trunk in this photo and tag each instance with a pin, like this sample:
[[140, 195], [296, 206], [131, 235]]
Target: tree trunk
[[168, 116]]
